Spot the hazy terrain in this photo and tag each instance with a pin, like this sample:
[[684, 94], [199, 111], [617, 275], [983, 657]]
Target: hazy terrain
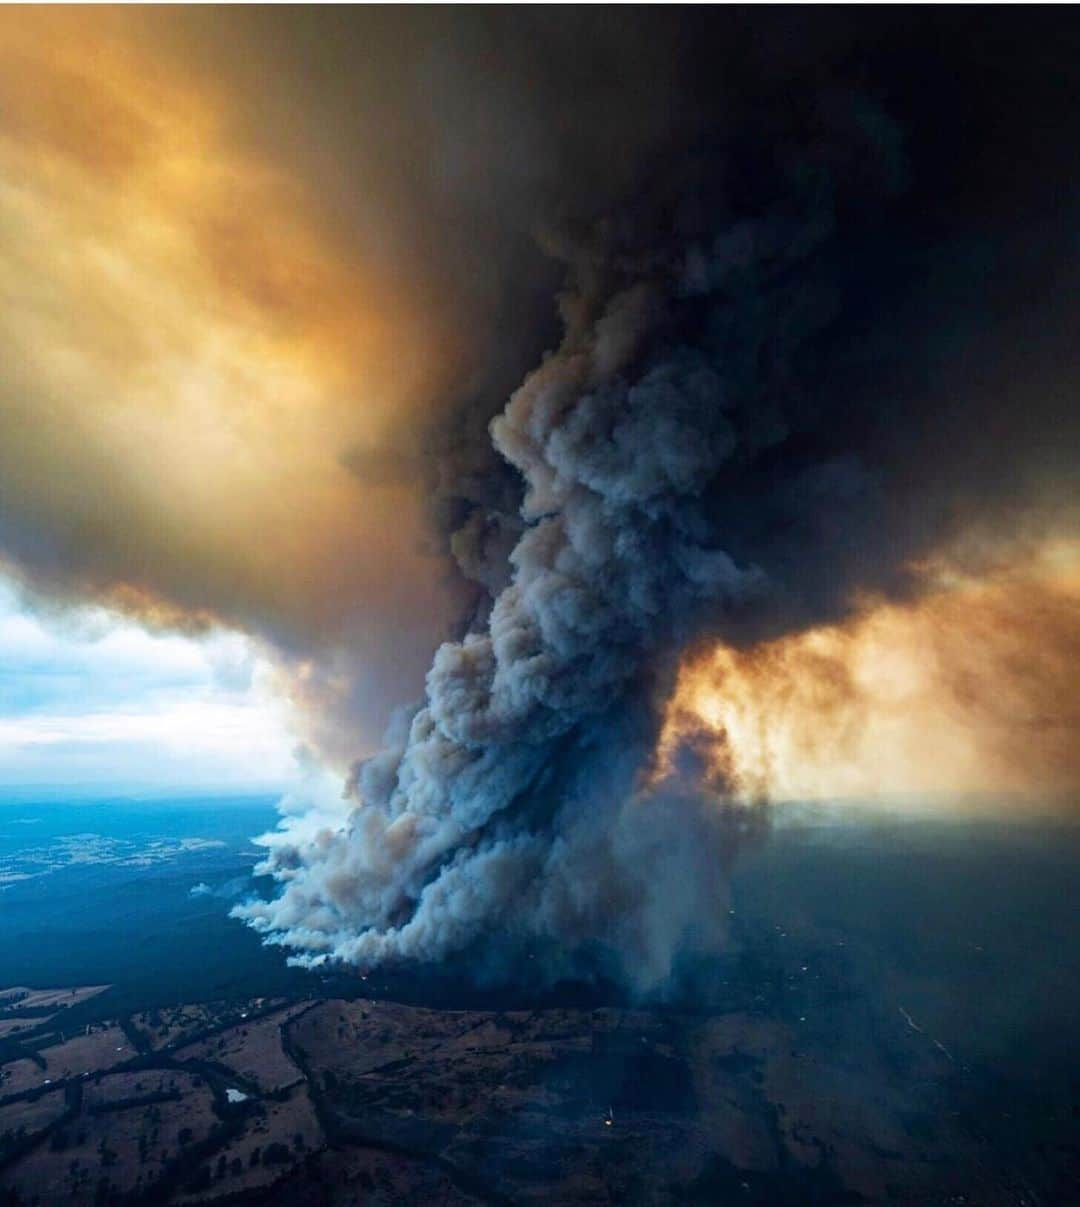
[[102, 891], [893, 1022]]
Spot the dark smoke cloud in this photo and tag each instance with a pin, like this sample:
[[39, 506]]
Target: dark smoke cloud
[[785, 376], [212, 197], [779, 301]]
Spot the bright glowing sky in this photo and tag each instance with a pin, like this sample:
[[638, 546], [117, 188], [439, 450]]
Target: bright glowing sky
[[96, 702]]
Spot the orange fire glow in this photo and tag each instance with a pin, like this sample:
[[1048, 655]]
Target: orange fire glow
[[968, 690]]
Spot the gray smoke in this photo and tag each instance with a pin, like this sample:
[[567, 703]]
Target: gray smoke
[[749, 419], [503, 804]]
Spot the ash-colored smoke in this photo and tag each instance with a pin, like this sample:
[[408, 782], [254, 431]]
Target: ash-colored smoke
[[794, 363], [261, 308], [509, 800]]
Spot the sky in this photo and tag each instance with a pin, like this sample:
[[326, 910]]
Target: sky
[[569, 430], [93, 703]]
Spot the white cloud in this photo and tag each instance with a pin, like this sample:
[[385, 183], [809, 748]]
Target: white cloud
[[90, 698]]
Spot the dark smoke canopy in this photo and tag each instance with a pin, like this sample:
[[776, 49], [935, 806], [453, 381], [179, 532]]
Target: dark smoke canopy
[[814, 333]]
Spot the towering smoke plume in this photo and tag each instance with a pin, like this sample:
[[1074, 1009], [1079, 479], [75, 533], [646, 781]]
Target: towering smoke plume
[[794, 290], [727, 441]]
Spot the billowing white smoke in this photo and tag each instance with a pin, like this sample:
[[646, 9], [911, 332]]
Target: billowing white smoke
[[498, 804], [727, 442]]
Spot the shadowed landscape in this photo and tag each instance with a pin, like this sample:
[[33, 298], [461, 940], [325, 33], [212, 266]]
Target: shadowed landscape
[[892, 1024]]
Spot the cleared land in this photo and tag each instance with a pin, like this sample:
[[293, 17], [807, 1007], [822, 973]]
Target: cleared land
[[20, 998], [373, 1102]]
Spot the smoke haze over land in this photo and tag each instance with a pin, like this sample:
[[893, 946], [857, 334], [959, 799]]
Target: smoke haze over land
[[593, 344]]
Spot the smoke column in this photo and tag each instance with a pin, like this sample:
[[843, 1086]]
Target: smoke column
[[596, 347], [727, 443]]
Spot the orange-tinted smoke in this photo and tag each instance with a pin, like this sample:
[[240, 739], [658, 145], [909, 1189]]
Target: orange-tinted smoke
[[190, 351], [969, 690]]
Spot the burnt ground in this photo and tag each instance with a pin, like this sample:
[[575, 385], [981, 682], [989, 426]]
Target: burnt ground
[[802, 1092], [893, 1023]]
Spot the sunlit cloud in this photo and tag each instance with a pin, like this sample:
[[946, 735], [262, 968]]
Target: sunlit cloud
[[90, 698]]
